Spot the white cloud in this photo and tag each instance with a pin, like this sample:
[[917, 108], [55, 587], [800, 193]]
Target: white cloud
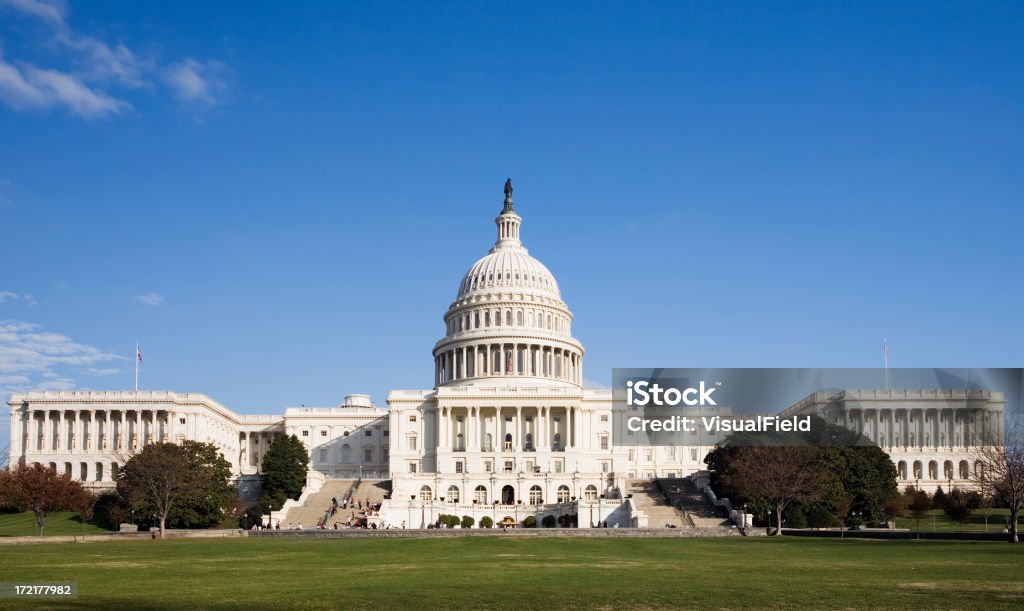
[[203, 83], [106, 371], [10, 296], [151, 298], [33, 359], [94, 62], [50, 12], [26, 350]]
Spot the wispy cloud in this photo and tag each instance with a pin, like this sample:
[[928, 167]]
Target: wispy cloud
[[34, 359], [194, 82], [151, 298], [8, 296], [92, 67]]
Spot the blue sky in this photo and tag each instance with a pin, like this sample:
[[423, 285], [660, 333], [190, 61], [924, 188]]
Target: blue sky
[[279, 201]]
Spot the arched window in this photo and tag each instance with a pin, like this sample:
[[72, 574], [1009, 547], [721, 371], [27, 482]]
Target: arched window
[[947, 469], [536, 495], [549, 321], [563, 494], [933, 470], [508, 318], [508, 441], [487, 319], [497, 318], [453, 494], [346, 453], [460, 443], [476, 320], [917, 469], [426, 494], [480, 495], [519, 318], [590, 493], [99, 472], [557, 444], [530, 320], [901, 469], [488, 443], [529, 441]]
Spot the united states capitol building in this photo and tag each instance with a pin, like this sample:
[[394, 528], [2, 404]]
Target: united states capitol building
[[507, 422]]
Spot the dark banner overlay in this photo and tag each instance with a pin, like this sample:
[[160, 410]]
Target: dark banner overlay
[[820, 407]]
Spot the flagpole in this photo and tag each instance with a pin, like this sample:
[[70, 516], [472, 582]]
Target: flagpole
[[136, 367], [885, 355]]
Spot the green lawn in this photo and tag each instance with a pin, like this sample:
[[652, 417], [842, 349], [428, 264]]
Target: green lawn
[[60, 523], [526, 573], [937, 520]]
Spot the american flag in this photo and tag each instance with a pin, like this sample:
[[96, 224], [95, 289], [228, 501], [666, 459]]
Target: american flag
[[138, 353]]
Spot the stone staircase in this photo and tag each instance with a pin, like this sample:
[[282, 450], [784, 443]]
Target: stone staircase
[[648, 498], [373, 489], [316, 504], [684, 496]]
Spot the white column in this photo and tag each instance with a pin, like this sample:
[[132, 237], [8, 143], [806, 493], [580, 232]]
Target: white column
[[517, 442]]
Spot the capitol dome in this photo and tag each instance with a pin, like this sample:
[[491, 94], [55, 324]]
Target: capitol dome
[[508, 318]]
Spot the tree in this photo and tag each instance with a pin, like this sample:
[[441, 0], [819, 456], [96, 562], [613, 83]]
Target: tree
[[40, 490], [167, 477], [958, 506], [920, 503], [1000, 463], [284, 469], [208, 504], [778, 475], [939, 499]]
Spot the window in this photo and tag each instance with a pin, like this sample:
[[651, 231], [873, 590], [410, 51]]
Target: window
[[604, 417], [563, 494], [369, 433], [345, 434], [536, 496], [426, 494], [693, 455], [488, 466], [386, 432], [323, 433], [367, 454], [559, 465], [632, 454], [604, 467], [346, 453], [412, 418], [508, 466], [181, 421], [305, 433], [460, 467], [323, 455], [590, 493], [384, 454], [604, 442], [453, 494], [648, 454], [480, 495], [508, 318], [412, 467], [412, 442]]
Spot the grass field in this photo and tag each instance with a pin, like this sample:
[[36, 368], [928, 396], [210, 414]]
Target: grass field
[[525, 573], [937, 520], [60, 523]]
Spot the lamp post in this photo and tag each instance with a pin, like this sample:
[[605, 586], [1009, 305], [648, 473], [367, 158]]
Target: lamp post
[[412, 497]]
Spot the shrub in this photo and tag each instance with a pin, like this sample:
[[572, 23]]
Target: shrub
[[819, 517], [548, 521], [794, 517], [939, 499], [468, 521], [486, 522], [530, 522]]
